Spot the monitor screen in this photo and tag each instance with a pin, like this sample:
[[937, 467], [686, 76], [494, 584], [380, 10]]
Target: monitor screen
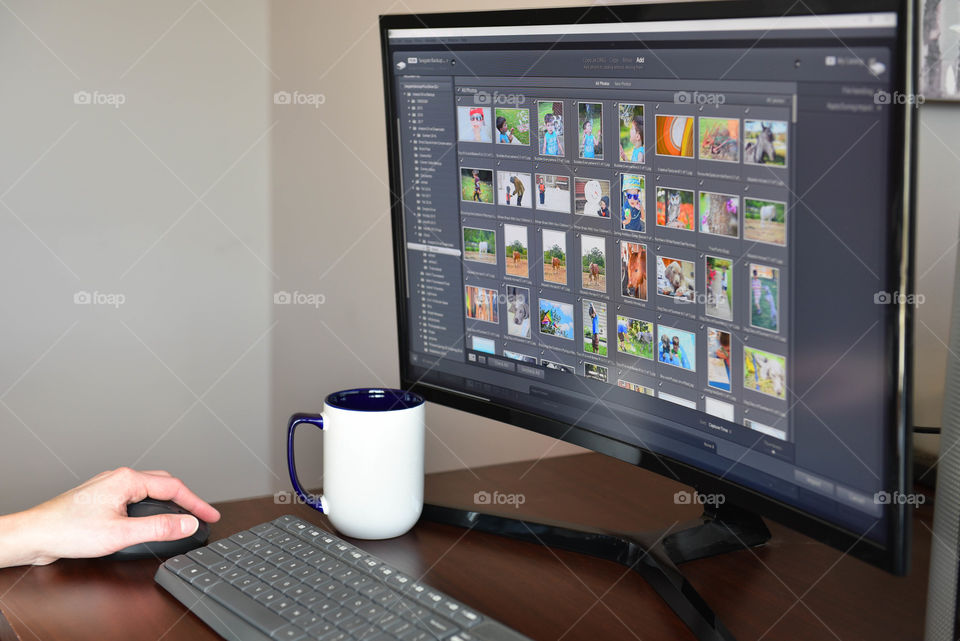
[[669, 234]]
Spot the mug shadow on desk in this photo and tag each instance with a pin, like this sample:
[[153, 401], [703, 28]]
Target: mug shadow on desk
[[372, 461]]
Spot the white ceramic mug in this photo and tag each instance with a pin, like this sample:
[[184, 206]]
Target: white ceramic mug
[[372, 461]]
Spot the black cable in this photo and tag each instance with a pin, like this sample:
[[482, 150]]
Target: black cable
[[918, 429]]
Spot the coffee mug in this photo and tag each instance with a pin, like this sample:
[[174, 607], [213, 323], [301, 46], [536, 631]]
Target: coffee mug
[[372, 461]]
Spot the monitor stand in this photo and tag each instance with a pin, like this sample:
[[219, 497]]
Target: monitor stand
[[653, 555]]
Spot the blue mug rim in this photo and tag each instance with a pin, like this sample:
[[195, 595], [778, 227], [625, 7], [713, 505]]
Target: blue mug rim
[[373, 399]]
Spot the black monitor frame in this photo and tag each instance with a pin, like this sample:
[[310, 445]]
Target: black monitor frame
[[898, 321]]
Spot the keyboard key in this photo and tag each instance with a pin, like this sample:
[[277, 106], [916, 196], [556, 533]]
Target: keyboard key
[[243, 538], [249, 562], [237, 555], [251, 611], [243, 581], [205, 557], [321, 629], [279, 559], [193, 573], [178, 564], [280, 603], [206, 582], [467, 618], [440, 627], [224, 546], [399, 581], [289, 633], [263, 527]]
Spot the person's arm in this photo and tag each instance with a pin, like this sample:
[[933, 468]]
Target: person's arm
[[91, 519]]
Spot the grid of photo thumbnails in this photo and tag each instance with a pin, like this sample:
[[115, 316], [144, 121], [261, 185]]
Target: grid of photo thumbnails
[[639, 249]]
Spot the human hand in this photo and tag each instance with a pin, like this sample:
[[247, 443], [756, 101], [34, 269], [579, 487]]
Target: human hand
[[91, 520]]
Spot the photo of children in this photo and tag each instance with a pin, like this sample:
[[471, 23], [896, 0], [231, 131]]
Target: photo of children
[[764, 297], [635, 387], [718, 359], [677, 347], [594, 327], [512, 126], [675, 208], [720, 139], [550, 123], [515, 250], [591, 197], [512, 186], [765, 143], [765, 372], [633, 270], [765, 221], [635, 337], [560, 367], [476, 185], [555, 256], [675, 136], [719, 214], [676, 278], [518, 311], [590, 135], [480, 245], [631, 133], [596, 372], [593, 263], [481, 344], [553, 193], [719, 277], [556, 319], [482, 304], [517, 356], [473, 124], [633, 196]]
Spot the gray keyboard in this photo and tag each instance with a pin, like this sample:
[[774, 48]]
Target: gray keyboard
[[288, 579]]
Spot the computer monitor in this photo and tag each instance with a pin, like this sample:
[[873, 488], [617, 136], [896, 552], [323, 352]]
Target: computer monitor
[[676, 234]]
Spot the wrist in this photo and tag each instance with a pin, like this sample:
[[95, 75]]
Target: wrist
[[19, 540]]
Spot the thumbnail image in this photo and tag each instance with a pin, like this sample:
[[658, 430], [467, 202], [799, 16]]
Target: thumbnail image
[[555, 256], [512, 186], [676, 278], [473, 124], [678, 400], [631, 132], [481, 344], [633, 265], [480, 245], [512, 126], [560, 367], [595, 327], [593, 260], [518, 311], [677, 347], [556, 319], [720, 214], [675, 136], [720, 139], [633, 193], [765, 221], [718, 359], [764, 297], [476, 185], [590, 134], [517, 356], [482, 304], [515, 250], [765, 372], [553, 193], [713, 407], [596, 372], [591, 197], [550, 127], [675, 208], [636, 387], [765, 429], [719, 277], [765, 143], [635, 337]]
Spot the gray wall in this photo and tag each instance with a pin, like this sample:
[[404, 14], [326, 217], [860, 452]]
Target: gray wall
[[197, 200]]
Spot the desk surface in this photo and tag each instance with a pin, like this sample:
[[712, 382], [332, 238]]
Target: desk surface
[[792, 588]]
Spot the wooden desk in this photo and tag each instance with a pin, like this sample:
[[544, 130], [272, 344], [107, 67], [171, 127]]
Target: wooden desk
[[793, 588]]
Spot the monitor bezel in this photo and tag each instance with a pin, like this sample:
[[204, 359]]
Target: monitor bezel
[[893, 557]]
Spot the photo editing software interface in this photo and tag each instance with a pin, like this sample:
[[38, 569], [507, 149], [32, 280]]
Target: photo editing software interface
[[667, 233]]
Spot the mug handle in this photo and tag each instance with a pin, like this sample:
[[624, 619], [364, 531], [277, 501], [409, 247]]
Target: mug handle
[[316, 502]]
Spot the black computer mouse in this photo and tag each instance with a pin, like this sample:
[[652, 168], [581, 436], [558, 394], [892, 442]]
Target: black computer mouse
[[160, 549]]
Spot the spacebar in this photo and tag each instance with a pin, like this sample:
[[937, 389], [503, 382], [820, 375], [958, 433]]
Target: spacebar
[[246, 608]]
